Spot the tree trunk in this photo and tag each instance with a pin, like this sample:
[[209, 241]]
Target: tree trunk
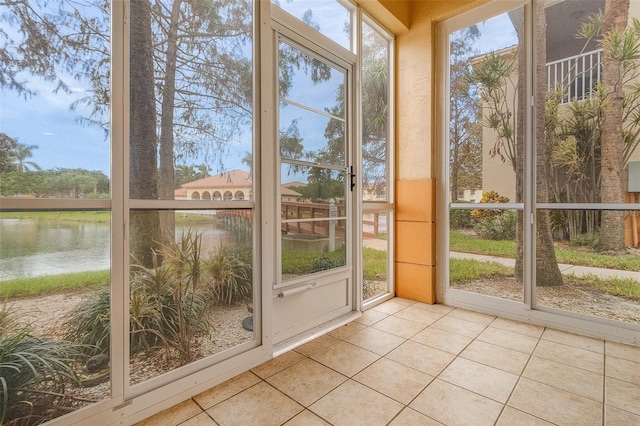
[[143, 173], [517, 18], [166, 183], [611, 236], [547, 270]]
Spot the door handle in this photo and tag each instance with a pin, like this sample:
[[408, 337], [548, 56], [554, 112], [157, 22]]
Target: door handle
[[352, 177]]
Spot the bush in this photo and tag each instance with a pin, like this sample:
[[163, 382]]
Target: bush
[[589, 240], [461, 218], [489, 197], [231, 273], [33, 374], [498, 227], [166, 305], [89, 323]]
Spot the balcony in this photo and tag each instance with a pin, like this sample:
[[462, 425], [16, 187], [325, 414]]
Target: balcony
[[576, 76]]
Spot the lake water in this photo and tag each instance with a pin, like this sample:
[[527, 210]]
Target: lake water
[[31, 248]]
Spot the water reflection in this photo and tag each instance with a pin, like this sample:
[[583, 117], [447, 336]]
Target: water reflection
[[33, 248]]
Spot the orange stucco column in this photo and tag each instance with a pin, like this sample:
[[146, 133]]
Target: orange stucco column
[[415, 227]]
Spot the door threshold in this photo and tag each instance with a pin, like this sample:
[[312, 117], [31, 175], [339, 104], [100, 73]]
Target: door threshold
[[307, 336]]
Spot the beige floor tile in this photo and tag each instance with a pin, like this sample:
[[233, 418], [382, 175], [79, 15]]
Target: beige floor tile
[[496, 356], [394, 380], [317, 344], [201, 419], [623, 395], [441, 339], [307, 381], [418, 315], [571, 355], [261, 404], [518, 327], [583, 342], [479, 378], [616, 417], [452, 405], [566, 377], [398, 326], [376, 341], [345, 358], [307, 418], [277, 364], [620, 350], [471, 316], [211, 397], [347, 330], [174, 415], [436, 308], [555, 405], [623, 369], [510, 417], [405, 302], [409, 417], [352, 403], [423, 358], [508, 339], [371, 316], [389, 307], [459, 326]]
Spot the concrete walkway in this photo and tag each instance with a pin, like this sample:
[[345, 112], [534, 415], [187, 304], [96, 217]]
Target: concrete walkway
[[566, 269]]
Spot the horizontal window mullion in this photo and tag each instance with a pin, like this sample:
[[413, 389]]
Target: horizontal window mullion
[[487, 206], [368, 206], [190, 205], [58, 204], [588, 206], [315, 219]]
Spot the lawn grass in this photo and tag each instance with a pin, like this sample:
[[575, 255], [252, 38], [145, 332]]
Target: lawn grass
[[624, 287], [37, 286], [466, 270], [80, 216], [469, 244], [298, 262], [374, 264]]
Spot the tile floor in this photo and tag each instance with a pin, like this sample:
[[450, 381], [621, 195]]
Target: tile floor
[[408, 363]]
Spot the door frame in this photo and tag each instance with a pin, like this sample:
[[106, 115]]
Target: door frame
[[301, 36]]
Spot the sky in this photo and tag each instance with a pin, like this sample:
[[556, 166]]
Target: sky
[[46, 121]]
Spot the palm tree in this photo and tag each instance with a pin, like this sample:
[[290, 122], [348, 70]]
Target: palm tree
[[184, 174], [247, 160], [20, 155], [614, 22], [202, 171]]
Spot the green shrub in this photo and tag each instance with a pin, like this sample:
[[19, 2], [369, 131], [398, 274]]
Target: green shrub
[[489, 197], [231, 274], [498, 227], [461, 218], [589, 240], [90, 324], [33, 374], [166, 304]]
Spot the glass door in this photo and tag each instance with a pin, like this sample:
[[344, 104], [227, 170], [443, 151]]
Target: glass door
[[316, 182], [485, 158]]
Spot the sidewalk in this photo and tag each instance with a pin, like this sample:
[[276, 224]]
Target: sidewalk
[[566, 269]]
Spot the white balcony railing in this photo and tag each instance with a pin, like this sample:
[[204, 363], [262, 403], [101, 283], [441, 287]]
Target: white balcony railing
[[575, 76]]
